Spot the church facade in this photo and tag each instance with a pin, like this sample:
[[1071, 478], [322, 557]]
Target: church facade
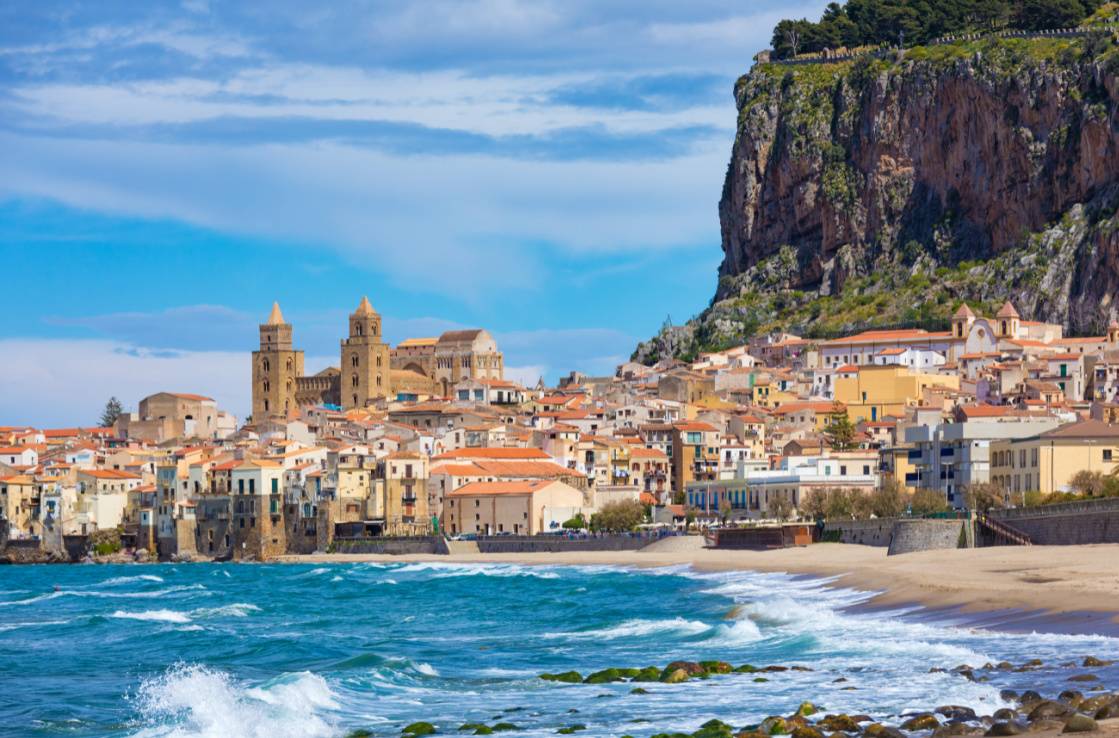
[[369, 371]]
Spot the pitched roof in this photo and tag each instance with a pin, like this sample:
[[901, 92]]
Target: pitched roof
[[1083, 429], [364, 308], [963, 312], [495, 453], [1007, 311], [417, 342], [275, 317], [500, 488]]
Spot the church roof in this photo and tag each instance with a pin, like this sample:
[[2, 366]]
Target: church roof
[[964, 312], [364, 307], [275, 317], [466, 335], [1007, 311]]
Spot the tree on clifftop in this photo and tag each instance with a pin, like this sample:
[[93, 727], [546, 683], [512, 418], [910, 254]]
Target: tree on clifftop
[[113, 410]]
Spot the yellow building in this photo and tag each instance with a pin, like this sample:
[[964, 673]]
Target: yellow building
[[19, 504], [406, 506], [872, 392], [1047, 462]]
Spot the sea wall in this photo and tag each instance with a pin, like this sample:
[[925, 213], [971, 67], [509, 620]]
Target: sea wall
[[878, 532], [1074, 523], [926, 535], [391, 546], [557, 544]]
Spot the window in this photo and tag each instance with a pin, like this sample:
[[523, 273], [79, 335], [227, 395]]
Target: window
[[353, 361], [1107, 454], [252, 486], [275, 486]]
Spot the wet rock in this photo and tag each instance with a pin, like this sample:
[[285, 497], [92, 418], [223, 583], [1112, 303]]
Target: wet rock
[[926, 721], [840, 680], [1004, 666], [483, 730], [956, 712], [776, 668], [751, 734], [774, 726], [953, 730], [691, 667], [502, 727], [675, 676], [760, 679], [806, 709], [805, 731], [1004, 728], [1005, 713], [799, 668], [1084, 678], [1080, 723], [1092, 661], [878, 730], [716, 667], [606, 676], [746, 669], [570, 677], [1071, 697], [1049, 709], [714, 729], [648, 674], [834, 723], [1008, 695], [639, 690], [569, 729], [418, 728]]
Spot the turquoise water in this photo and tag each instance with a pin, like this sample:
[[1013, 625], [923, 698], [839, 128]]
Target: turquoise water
[[300, 650]]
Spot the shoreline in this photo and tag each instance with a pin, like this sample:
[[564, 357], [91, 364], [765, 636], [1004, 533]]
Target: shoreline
[[1052, 588]]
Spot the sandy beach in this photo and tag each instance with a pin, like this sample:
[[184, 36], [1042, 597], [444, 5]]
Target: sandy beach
[[1054, 580]]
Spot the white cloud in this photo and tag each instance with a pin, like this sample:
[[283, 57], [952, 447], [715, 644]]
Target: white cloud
[[437, 223], [67, 382]]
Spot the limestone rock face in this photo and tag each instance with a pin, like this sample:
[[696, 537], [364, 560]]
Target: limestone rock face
[[883, 191]]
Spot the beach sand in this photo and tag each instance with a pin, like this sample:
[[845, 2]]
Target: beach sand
[[1053, 580]]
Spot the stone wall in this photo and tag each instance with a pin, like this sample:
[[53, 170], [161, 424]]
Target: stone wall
[[391, 546], [926, 535], [878, 532], [557, 544], [1075, 523]]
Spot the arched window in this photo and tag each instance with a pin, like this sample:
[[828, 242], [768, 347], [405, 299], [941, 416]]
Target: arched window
[[264, 364], [358, 328], [353, 361], [290, 365], [378, 361], [353, 381], [378, 380], [267, 386]]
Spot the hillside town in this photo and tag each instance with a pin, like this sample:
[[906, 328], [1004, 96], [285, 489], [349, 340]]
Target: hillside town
[[428, 438]]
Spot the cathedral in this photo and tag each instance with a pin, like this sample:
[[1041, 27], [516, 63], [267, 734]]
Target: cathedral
[[369, 371]]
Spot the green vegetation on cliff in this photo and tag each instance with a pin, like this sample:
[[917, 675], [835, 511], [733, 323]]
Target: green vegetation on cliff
[[859, 23], [884, 191]]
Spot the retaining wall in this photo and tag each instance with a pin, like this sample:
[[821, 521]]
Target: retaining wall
[[926, 535], [558, 544], [878, 532], [1070, 524], [391, 546]]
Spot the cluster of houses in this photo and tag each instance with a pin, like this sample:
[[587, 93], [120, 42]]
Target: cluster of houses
[[996, 400]]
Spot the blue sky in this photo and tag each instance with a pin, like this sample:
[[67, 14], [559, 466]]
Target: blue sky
[[547, 170]]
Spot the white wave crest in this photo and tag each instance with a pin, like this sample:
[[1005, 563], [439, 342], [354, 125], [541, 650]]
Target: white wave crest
[[442, 571], [198, 702], [162, 616], [635, 629], [106, 595], [427, 669], [129, 580], [735, 633]]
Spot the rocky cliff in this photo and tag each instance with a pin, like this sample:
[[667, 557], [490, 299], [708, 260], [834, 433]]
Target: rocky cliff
[[884, 191]]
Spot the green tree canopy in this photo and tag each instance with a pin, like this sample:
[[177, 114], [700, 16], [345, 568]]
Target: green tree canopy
[[619, 517], [113, 410], [840, 431]]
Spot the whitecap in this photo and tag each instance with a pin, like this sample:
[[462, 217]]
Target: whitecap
[[163, 616], [235, 610], [199, 702], [105, 595], [635, 629], [426, 669], [129, 580]]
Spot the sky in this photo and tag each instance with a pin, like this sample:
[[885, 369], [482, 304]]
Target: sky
[[547, 170]]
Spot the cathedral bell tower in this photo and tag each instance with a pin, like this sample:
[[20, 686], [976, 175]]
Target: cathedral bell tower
[[365, 360], [276, 366]]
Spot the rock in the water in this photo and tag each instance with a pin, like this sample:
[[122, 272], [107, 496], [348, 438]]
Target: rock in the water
[[675, 676], [927, 721], [1048, 709], [417, 729], [1084, 678], [570, 677]]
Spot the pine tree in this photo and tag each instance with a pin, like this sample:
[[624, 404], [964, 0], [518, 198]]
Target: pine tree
[[840, 432], [113, 410]]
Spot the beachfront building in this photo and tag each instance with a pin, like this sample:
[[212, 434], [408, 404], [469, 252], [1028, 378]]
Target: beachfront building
[[1046, 462], [877, 391], [524, 507], [752, 495], [949, 457]]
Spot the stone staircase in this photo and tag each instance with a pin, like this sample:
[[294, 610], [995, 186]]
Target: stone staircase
[[1004, 534], [462, 547]]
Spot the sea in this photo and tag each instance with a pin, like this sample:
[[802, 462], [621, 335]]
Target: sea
[[295, 650]]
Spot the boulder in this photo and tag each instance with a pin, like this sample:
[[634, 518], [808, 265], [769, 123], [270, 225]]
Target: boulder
[[675, 676], [714, 729], [878, 730], [834, 723], [417, 729], [956, 712], [1047, 725], [1092, 661], [746, 669], [691, 667], [926, 721], [1080, 723], [605, 676], [774, 726], [1004, 728], [953, 730], [1083, 678], [1005, 713], [569, 729], [806, 709], [1048, 709], [716, 667], [806, 731], [570, 677]]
